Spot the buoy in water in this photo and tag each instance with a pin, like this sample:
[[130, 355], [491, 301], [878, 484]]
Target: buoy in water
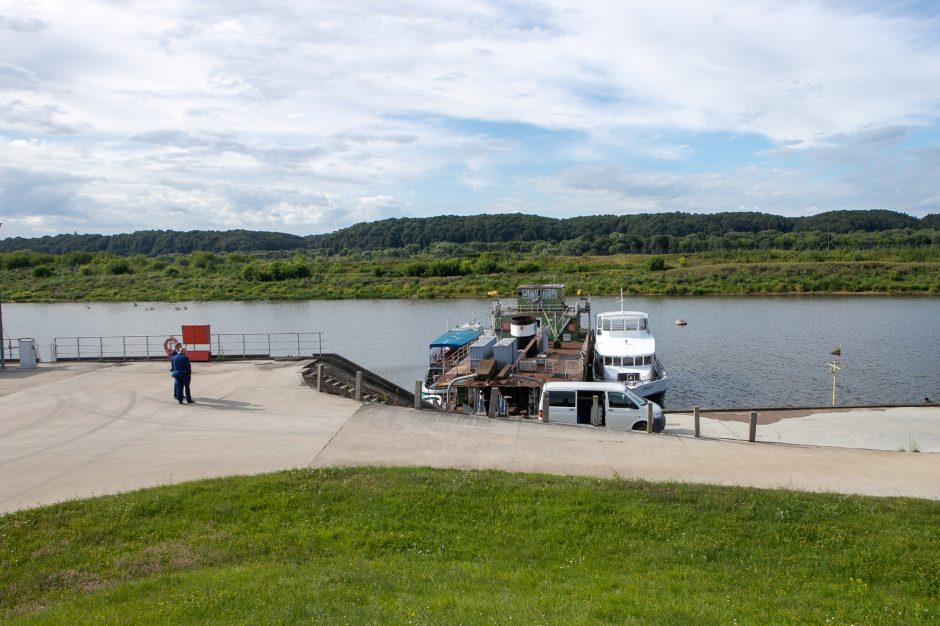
[[681, 322]]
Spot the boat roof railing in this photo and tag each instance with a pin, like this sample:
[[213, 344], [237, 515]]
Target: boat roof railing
[[615, 314]]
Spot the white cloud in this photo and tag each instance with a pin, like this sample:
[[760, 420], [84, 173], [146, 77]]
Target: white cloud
[[219, 112]]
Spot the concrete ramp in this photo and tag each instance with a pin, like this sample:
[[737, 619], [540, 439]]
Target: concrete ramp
[[78, 430]]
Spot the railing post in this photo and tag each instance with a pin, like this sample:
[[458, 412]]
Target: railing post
[[698, 423], [100, 348], [544, 413], [358, 385], [595, 412], [649, 417], [78, 348], [319, 376], [752, 435], [298, 346], [418, 387], [124, 346], [244, 349], [491, 413]]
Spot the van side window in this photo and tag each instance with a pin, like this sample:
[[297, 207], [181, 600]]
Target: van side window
[[561, 398], [619, 400]]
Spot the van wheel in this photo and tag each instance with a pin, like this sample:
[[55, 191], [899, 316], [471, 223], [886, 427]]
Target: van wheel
[[639, 426]]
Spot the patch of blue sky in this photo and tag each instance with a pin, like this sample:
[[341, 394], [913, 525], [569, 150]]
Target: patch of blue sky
[[922, 137], [688, 152], [527, 16], [902, 8], [529, 134], [458, 190], [448, 195]]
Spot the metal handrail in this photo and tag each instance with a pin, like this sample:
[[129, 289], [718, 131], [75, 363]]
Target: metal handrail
[[221, 345]]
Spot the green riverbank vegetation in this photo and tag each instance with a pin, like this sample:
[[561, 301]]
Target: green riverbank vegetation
[[422, 546], [29, 276]]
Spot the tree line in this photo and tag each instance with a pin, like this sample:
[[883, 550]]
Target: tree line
[[452, 235]]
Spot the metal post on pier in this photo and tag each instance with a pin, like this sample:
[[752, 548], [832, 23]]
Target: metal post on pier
[[649, 417], [698, 421], [544, 413], [3, 364], [493, 395], [595, 411], [752, 435], [358, 385], [418, 386], [319, 376]]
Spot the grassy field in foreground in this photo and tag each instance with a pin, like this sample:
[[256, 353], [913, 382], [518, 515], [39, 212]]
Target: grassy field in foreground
[[415, 546]]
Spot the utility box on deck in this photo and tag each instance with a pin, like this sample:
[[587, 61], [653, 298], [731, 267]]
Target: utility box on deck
[[27, 353]]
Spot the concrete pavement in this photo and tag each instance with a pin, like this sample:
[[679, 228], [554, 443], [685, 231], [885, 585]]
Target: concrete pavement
[[74, 430]]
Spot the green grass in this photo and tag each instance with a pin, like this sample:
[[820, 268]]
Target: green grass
[[419, 546], [884, 271]]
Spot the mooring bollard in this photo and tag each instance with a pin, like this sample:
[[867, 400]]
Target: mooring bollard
[[753, 434], [319, 376], [649, 417], [358, 385], [698, 422], [544, 413], [418, 387], [595, 412], [492, 412]]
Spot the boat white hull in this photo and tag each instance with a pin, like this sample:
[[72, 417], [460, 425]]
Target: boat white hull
[[654, 389]]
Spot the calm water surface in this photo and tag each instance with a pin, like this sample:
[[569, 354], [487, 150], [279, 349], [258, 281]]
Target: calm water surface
[[735, 352]]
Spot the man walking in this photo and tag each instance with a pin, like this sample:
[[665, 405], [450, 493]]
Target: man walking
[[182, 372]]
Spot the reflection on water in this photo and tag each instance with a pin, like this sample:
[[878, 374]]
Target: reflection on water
[[735, 352]]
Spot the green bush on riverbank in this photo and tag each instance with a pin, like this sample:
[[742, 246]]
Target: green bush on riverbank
[[421, 546], [36, 277]]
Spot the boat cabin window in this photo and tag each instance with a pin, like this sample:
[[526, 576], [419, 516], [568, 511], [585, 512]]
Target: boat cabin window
[[628, 361], [538, 294], [561, 398], [618, 400], [623, 323]]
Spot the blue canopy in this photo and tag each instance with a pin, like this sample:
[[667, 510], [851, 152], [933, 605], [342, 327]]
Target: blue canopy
[[456, 337]]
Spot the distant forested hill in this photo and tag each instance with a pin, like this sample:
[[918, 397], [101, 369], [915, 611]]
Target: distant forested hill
[[597, 234], [157, 242]]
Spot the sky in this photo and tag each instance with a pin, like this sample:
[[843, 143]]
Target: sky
[[305, 116]]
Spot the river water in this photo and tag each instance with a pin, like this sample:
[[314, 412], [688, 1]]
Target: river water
[[741, 352]]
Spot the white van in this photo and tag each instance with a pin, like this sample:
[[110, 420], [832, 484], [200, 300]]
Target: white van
[[572, 402]]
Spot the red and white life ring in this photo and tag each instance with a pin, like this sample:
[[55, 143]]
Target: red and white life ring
[[169, 345]]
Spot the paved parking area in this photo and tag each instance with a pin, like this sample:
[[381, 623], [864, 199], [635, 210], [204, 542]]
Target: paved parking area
[[74, 430], [896, 428]]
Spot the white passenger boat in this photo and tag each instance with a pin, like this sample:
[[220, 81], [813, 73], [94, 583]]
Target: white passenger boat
[[625, 351]]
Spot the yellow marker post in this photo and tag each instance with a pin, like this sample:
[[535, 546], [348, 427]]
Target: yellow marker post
[[835, 366]]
